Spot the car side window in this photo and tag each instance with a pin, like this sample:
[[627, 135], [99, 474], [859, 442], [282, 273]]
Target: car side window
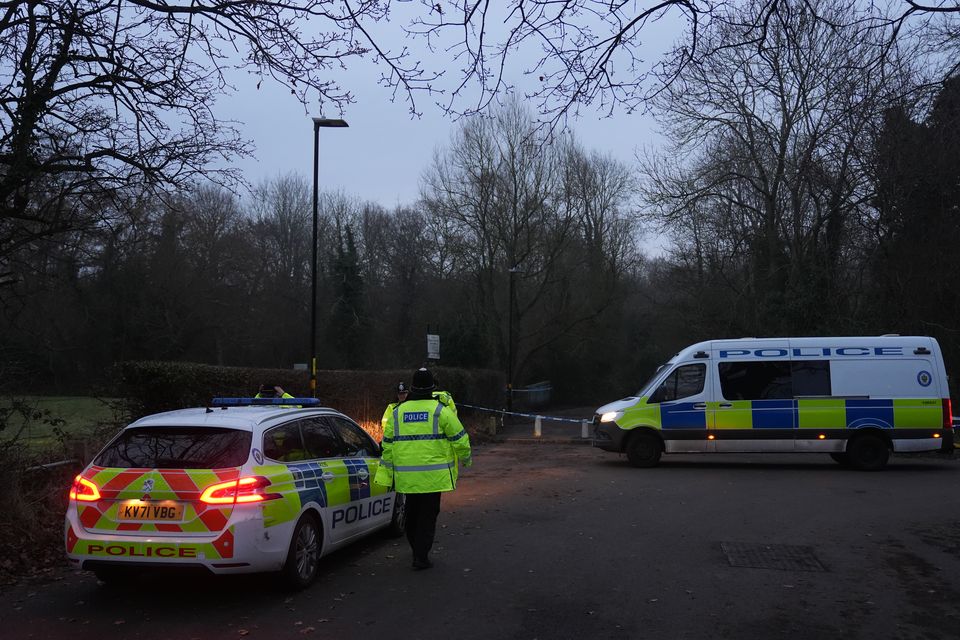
[[684, 382], [358, 444], [284, 443], [320, 439]]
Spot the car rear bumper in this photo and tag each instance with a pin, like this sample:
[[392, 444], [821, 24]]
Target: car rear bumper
[[240, 547]]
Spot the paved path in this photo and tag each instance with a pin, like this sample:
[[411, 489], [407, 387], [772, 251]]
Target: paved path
[[559, 541]]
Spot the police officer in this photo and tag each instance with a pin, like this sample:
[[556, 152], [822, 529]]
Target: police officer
[[402, 391], [422, 442], [275, 391], [446, 399], [272, 391]]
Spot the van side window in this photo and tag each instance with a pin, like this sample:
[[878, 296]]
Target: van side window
[[684, 382], [766, 380], [811, 378]]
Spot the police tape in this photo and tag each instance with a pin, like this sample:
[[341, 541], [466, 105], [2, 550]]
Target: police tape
[[523, 415]]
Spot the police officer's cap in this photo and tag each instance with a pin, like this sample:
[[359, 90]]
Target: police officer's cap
[[423, 380]]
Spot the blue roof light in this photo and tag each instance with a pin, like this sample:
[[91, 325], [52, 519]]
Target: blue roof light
[[280, 402]]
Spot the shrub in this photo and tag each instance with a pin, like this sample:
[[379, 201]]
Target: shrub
[[153, 387]]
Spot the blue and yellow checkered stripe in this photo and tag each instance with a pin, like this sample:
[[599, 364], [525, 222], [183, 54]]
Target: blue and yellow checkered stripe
[[801, 414]]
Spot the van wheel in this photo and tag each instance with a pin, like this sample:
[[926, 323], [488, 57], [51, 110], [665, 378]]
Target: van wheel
[[868, 452], [303, 557], [841, 458], [643, 450], [398, 523]]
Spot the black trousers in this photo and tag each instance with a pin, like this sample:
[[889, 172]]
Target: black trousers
[[422, 512]]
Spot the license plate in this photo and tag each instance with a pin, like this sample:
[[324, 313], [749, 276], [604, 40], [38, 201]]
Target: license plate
[[139, 511]]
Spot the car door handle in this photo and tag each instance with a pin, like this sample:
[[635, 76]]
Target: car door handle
[[363, 474], [700, 405], [725, 405], [327, 476]]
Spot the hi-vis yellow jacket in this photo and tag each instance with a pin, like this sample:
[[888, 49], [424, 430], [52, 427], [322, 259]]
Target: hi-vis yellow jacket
[[422, 443]]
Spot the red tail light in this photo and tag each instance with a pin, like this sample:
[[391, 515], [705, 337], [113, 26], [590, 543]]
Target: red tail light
[[947, 414], [83, 490], [248, 489]]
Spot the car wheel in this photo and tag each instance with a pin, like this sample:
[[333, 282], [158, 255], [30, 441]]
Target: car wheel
[[643, 450], [841, 458], [868, 452], [303, 558], [398, 522]]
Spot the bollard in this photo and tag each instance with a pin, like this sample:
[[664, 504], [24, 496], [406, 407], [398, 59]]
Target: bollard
[[583, 430], [536, 427]]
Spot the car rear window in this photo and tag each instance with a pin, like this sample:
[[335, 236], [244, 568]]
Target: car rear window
[[177, 448]]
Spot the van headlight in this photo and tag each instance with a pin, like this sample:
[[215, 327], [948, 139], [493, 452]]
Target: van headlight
[[611, 416]]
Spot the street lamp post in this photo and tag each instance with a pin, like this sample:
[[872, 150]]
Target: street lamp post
[[317, 123], [510, 314]]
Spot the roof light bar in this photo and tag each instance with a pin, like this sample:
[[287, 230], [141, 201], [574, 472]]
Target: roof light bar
[[246, 402]]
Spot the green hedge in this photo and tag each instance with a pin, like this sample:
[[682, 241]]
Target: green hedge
[[154, 386]]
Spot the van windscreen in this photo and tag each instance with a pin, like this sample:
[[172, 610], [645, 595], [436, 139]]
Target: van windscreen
[[645, 388]]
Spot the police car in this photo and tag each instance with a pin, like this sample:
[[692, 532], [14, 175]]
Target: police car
[[245, 485]]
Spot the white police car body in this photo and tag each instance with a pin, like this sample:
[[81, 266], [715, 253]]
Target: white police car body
[[242, 486]]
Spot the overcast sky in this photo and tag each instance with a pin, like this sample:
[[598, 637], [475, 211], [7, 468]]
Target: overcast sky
[[381, 156], [383, 153]]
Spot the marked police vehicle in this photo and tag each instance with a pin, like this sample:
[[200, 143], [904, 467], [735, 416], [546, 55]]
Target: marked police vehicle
[[857, 399], [246, 485]]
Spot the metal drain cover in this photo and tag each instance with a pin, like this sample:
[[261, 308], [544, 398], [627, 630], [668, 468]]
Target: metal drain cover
[[771, 556]]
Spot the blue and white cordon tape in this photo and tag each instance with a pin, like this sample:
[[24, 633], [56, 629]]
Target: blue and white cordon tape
[[584, 434], [517, 413]]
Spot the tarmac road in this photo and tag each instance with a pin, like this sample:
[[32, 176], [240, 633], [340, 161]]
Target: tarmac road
[[562, 541]]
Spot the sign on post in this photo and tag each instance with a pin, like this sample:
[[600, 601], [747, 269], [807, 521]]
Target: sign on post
[[433, 346]]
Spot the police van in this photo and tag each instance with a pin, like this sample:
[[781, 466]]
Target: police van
[[245, 485], [856, 398]]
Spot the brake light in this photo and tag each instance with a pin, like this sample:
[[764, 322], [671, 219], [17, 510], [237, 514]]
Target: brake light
[[947, 414], [246, 489], [83, 490]]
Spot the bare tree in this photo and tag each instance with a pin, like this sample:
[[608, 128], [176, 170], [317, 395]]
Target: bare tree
[[100, 97], [523, 218], [604, 55], [778, 143]]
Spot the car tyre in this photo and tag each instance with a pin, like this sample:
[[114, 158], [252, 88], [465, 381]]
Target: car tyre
[[643, 450], [868, 452], [398, 521], [303, 558]]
